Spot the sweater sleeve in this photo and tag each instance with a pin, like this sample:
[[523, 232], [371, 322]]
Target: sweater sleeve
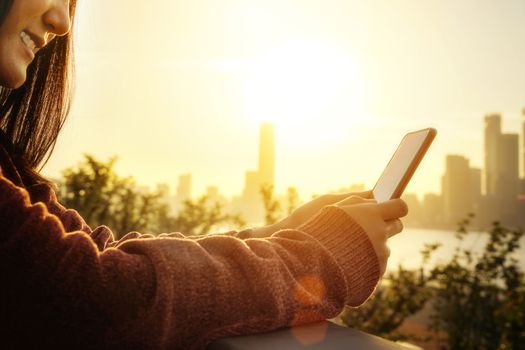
[[60, 290]]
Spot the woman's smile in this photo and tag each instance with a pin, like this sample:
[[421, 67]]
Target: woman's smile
[[27, 28], [29, 45]]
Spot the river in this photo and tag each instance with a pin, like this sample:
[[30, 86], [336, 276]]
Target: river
[[406, 246]]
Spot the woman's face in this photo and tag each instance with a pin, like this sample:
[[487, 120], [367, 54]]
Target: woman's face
[[29, 26]]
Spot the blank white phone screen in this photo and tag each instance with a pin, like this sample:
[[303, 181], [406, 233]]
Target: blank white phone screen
[[398, 165]]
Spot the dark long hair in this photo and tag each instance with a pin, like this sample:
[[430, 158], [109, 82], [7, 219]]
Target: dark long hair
[[32, 116]]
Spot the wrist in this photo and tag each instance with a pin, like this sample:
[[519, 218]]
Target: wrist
[[351, 247]]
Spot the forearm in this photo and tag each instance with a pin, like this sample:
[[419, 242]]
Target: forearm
[[168, 291]]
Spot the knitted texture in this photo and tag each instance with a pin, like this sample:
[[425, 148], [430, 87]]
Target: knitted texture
[[65, 285]]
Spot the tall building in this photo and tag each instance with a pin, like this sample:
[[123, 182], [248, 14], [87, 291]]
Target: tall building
[[492, 138], [457, 189], [184, 188], [523, 145], [252, 185], [267, 154], [432, 214], [414, 215], [475, 187], [508, 162], [252, 205]]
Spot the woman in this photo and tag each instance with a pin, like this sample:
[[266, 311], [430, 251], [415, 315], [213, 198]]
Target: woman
[[66, 285]]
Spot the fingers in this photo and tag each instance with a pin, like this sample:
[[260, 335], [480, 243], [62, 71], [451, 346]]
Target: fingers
[[354, 200], [342, 196], [364, 194], [393, 209], [393, 227]]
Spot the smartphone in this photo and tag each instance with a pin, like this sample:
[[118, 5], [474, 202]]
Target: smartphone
[[403, 164]]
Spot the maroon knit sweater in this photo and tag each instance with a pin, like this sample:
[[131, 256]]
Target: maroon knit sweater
[[65, 285]]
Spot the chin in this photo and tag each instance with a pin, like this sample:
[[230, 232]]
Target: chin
[[13, 81]]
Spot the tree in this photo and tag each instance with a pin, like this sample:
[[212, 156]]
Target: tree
[[293, 199], [271, 205], [402, 293], [479, 299], [201, 216], [102, 197]]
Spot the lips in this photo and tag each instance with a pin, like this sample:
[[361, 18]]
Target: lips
[[32, 41], [26, 39]]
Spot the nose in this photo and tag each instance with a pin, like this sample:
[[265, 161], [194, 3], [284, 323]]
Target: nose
[[57, 18]]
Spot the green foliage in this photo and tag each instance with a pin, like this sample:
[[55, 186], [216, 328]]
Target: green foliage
[[293, 199], [479, 299], [102, 197], [201, 216], [402, 293], [271, 205]]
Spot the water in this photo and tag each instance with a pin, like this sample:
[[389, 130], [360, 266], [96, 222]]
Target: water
[[406, 246]]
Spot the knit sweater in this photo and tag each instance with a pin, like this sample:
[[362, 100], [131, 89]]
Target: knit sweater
[[67, 286]]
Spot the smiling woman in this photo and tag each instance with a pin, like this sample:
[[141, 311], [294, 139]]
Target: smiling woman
[[32, 115], [68, 286]]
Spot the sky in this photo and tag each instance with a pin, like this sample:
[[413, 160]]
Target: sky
[[174, 87]]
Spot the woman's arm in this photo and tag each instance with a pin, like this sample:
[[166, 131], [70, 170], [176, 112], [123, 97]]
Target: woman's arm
[[60, 289]]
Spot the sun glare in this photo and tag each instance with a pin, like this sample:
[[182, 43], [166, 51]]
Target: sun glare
[[304, 86]]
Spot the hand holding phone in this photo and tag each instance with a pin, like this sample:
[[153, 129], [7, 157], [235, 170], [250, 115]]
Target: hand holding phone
[[403, 164]]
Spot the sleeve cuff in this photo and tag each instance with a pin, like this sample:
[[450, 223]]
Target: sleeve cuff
[[350, 246]]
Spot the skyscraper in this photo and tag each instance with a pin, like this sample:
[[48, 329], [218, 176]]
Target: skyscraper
[[251, 185], [492, 140], [475, 186], [184, 188], [457, 189], [502, 179], [523, 140], [252, 205], [508, 176], [266, 155]]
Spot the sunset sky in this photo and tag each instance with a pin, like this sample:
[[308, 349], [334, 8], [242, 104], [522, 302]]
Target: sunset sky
[[175, 87]]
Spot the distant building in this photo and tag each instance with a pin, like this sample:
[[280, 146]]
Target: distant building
[[414, 214], [212, 192], [507, 184], [184, 188], [214, 196], [502, 178], [523, 145], [457, 189], [164, 190], [251, 204], [475, 187], [432, 212], [252, 185], [492, 138]]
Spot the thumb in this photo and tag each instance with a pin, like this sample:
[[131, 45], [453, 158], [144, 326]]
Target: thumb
[[354, 200]]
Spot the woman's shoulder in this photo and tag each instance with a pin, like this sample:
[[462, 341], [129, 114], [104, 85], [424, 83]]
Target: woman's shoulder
[[38, 192]]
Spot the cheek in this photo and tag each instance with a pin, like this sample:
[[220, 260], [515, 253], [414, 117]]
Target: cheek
[[13, 67]]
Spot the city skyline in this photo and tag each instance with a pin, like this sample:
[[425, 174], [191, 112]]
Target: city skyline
[[495, 192], [492, 192]]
